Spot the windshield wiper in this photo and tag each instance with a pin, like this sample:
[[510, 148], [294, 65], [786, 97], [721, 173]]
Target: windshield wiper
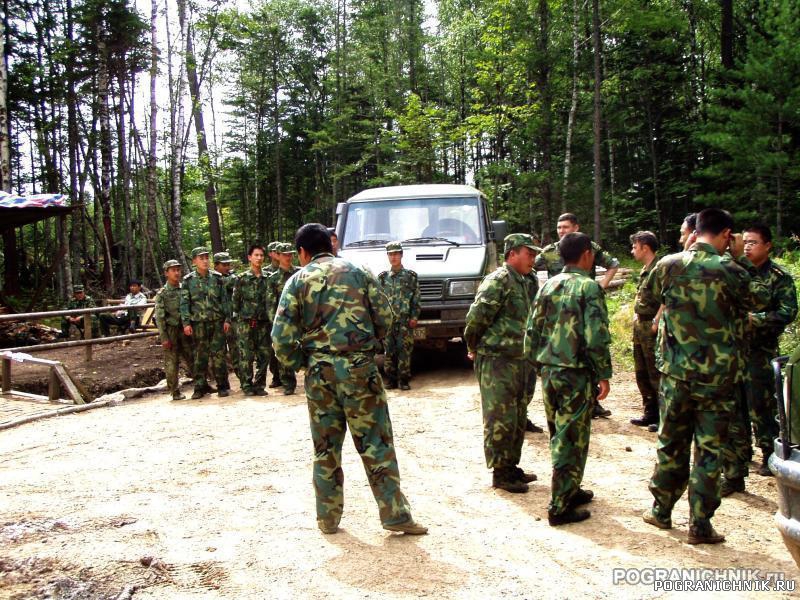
[[431, 239], [367, 243]]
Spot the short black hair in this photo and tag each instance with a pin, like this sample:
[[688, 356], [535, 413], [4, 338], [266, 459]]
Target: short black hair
[[691, 221], [313, 238], [762, 230], [573, 245], [714, 221], [332, 232], [645, 238], [256, 247], [568, 217], [134, 282]]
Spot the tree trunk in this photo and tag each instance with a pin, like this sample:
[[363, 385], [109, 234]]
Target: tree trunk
[[573, 107], [597, 121], [105, 153], [151, 224], [543, 83], [726, 34], [128, 253], [5, 122], [176, 124]]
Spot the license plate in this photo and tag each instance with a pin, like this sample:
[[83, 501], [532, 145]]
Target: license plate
[[420, 333]]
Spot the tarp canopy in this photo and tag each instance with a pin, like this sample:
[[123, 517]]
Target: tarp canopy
[[16, 211]]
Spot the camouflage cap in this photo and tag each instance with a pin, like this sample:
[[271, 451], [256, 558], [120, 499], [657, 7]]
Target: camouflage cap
[[77, 289], [394, 247], [273, 246], [222, 257], [285, 248], [199, 251], [515, 240], [170, 263]]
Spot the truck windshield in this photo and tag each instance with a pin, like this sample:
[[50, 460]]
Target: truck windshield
[[419, 219]]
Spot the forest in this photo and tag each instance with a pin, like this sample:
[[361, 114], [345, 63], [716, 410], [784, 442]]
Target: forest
[[174, 123]]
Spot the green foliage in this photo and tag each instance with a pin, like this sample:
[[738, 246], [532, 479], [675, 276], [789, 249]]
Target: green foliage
[[790, 340], [620, 317]]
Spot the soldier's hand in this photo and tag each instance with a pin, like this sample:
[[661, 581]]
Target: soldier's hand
[[226, 327], [187, 330], [412, 323], [166, 344], [604, 388], [736, 245]]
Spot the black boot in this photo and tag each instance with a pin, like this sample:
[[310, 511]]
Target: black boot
[[731, 486], [571, 515], [503, 479], [391, 384], [764, 470], [645, 420], [532, 428], [599, 411]]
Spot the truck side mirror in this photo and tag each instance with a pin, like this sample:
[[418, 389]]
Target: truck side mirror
[[500, 230], [339, 208]]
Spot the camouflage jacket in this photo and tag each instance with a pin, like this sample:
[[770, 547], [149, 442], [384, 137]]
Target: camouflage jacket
[[270, 269], [168, 309], [550, 260], [250, 297], [533, 285], [568, 326], [496, 319], [402, 289], [704, 294], [275, 284], [230, 283], [87, 302], [646, 305], [204, 298], [330, 307], [768, 324]]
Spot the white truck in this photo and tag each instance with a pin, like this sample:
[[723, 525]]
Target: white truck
[[448, 238]]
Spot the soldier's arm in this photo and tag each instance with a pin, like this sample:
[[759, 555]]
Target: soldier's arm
[[482, 313], [416, 305], [236, 301], [540, 264], [161, 318], [272, 300], [609, 263], [750, 292], [225, 299], [533, 329], [786, 310], [380, 309], [287, 328], [186, 305], [595, 333]]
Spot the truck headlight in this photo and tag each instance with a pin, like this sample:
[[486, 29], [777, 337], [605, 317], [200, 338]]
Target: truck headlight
[[463, 288]]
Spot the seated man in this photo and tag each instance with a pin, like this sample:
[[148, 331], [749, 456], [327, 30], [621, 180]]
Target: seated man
[[125, 319], [79, 300]]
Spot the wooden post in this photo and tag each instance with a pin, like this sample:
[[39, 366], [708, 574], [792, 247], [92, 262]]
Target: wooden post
[[54, 388], [87, 335], [6, 374]]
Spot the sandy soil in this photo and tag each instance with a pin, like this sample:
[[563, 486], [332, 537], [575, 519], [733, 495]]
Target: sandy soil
[[213, 499]]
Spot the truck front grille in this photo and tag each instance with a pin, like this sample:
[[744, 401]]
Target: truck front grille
[[430, 289]]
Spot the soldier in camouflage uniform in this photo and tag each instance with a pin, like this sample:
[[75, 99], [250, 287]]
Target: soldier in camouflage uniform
[[703, 292], [644, 246], [206, 316], [762, 329], [223, 266], [401, 286], [79, 300], [170, 330], [494, 334], [550, 260], [252, 325], [568, 342], [329, 320], [272, 267], [275, 285]]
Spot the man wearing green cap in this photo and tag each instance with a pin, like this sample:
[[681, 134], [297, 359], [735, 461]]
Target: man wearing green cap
[[252, 324], [401, 286], [170, 329], [223, 265], [275, 286], [206, 317], [79, 300], [494, 335], [568, 342], [272, 252], [273, 267]]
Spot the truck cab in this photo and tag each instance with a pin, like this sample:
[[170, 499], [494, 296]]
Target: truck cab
[[448, 238]]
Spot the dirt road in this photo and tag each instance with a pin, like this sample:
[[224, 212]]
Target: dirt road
[[213, 499]]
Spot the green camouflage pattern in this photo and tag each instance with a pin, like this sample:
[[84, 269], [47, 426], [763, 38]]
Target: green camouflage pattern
[[568, 326], [504, 405], [530, 377], [550, 260], [204, 298], [645, 305], [704, 294], [644, 361], [568, 398], [763, 408], [402, 289], [209, 343], [73, 304], [738, 452], [251, 330], [275, 284], [330, 318], [230, 337], [170, 329], [692, 413], [496, 319]]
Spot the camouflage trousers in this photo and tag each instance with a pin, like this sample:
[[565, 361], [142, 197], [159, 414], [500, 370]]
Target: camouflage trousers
[[763, 407], [504, 406], [644, 360], [233, 347], [253, 344], [209, 347], [181, 349], [568, 396], [690, 412], [399, 344], [347, 392], [738, 452]]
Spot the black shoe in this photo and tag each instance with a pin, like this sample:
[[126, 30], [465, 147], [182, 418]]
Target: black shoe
[[571, 515], [529, 426], [704, 535], [653, 428], [580, 497], [404, 385], [248, 391], [503, 479], [391, 384], [223, 393], [178, 396], [209, 390], [260, 391], [288, 392], [522, 476], [198, 394], [275, 383], [599, 411], [731, 486], [645, 420], [764, 469]]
